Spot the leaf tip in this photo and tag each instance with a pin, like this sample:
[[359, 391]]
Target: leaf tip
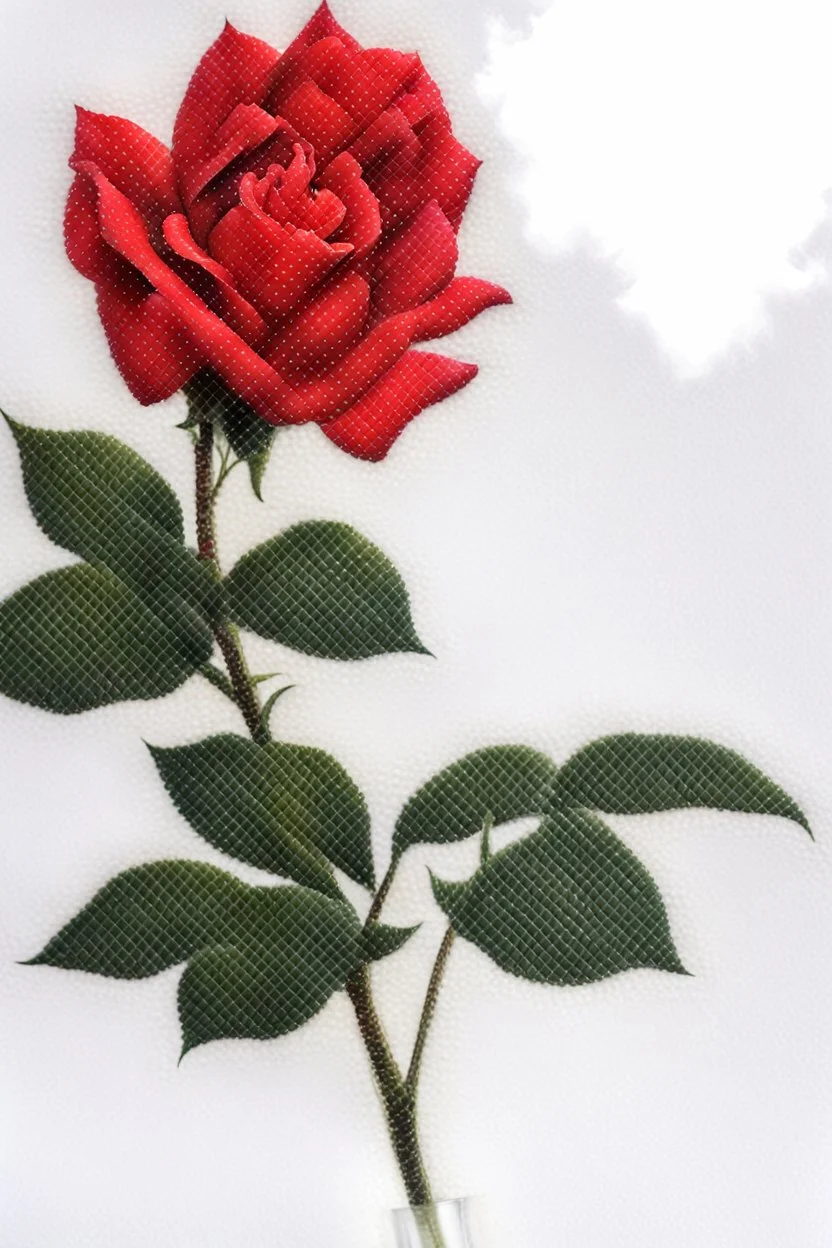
[[189, 1043]]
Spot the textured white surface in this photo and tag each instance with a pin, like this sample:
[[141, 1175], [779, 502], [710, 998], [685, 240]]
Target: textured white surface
[[592, 544]]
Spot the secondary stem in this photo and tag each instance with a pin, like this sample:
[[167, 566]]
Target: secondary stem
[[225, 635], [429, 1010]]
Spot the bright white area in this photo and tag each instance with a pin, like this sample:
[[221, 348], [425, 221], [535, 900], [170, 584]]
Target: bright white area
[[691, 142]]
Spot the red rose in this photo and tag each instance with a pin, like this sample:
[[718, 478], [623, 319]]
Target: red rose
[[297, 239]]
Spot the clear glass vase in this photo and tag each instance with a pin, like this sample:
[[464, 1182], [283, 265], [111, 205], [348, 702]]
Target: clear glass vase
[[441, 1225]]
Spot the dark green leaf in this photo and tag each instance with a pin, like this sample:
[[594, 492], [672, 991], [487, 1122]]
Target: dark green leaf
[[322, 588], [502, 781], [54, 462], [249, 437], [257, 465], [635, 773], [268, 705], [147, 919], [284, 808], [378, 940], [97, 498], [298, 950], [79, 638], [261, 960], [567, 905]]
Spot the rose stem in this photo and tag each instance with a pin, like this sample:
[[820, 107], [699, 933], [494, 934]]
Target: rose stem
[[397, 1098], [225, 635]]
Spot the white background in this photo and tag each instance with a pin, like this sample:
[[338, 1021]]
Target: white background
[[625, 522]]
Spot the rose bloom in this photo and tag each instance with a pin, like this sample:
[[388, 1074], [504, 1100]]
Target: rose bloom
[[296, 240]]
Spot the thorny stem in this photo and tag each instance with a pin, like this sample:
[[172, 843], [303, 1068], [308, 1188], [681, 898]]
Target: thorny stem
[[225, 635], [428, 1011], [397, 1094]]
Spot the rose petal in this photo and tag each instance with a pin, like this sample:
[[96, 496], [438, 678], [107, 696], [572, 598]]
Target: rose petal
[[326, 328], [371, 426], [458, 304], [273, 267], [316, 116], [423, 99], [147, 342], [322, 215], [363, 83], [442, 169], [237, 311], [389, 137], [85, 247], [150, 347], [341, 387], [362, 224], [133, 160], [321, 25], [248, 128], [237, 69], [417, 263], [245, 372]]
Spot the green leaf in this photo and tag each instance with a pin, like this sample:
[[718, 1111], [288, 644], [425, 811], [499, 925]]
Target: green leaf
[[78, 638], [249, 436], [635, 773], [323, 589], [569, 904], [297, 951], [500, 782], [379, 939], [261, 961], [98, 499], [290, 809], [268, 705], [257, 465], [147, 919]]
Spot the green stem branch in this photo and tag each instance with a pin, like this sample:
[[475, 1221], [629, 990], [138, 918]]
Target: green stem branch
[[429, 1010]]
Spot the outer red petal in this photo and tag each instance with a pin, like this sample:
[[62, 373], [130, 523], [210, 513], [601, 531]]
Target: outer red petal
[[343, 385], [363, 83], [273, 266], [321, 25], [458, 304], [138, 164], [150, 347], [442, 169], [237, 69], [371, 426], [321, 333], [416, 263], [423, 99], [362, 225], [84, 245], [151, 351]]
